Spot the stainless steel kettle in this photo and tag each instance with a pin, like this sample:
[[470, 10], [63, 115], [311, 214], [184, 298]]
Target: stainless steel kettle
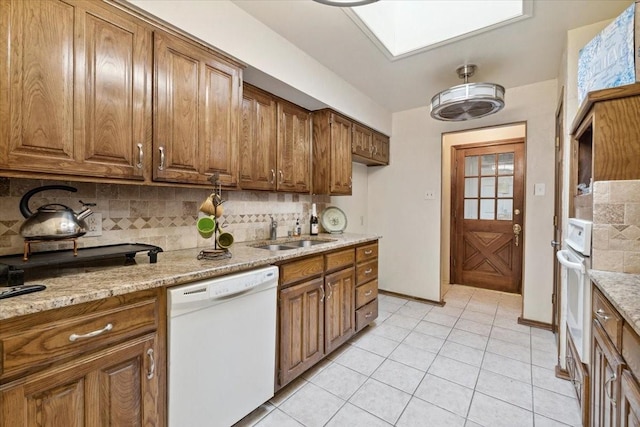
[[52, 221]]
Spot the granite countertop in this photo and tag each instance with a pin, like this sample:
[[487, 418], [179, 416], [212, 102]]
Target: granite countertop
[[623, 290], [172, 268]]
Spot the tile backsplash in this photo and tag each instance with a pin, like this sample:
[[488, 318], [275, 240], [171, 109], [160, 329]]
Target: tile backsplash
[[162, 216], [616, 226]]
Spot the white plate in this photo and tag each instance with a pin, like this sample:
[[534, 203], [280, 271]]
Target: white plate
[[333, 220]]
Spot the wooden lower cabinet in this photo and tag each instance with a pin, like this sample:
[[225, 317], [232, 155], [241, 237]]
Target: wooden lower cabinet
[[606, 369], [339, 308], [579, 377], [113, 387], [301, 327], [629, 400]]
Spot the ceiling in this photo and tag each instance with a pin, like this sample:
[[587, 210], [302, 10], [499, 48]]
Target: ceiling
[[514, 55]]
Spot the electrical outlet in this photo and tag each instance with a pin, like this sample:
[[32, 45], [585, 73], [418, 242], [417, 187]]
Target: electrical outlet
[[429, 195], [94, 225]]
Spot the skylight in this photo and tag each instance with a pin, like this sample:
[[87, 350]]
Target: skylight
[[404, 27]]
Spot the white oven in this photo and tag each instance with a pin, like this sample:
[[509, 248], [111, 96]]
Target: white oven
[[576, 295]]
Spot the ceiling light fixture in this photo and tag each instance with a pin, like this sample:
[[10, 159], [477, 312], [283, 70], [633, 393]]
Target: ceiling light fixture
[[467, 101], [345, 3]]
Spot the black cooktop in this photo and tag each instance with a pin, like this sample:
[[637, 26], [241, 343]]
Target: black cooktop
[[13, 267]]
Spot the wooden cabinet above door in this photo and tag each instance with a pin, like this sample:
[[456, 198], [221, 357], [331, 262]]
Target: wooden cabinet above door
[[76, 96], [196, 113], [332, 140]]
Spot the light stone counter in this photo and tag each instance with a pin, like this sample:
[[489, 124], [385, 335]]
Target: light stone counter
[[623, 290], [172, 268]]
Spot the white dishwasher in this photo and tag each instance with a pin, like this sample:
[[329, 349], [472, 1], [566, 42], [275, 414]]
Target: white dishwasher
[[221, 348]]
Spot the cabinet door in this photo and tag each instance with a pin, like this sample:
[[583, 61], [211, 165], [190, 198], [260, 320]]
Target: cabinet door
[[362, 141], [219, 119], [340, 146], [380, 152], [258, 141], [301, 328], [605, 379], [118, 386], [37, 85], [339, 308], [294, 148], [629, 400], [113, 86]]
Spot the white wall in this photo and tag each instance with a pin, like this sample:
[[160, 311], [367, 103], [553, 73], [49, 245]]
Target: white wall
[[355, 206], [230, 29], [414, 224]]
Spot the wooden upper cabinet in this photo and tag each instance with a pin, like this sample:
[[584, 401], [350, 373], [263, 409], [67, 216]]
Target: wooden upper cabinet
[[332, 139], [76, 95], [380, 148], [196, 113], [362, 141], [294, 148], [258, 144]]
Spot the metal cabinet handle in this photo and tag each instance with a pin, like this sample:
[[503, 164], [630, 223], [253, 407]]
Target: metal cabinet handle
[[273, 176], [75, 337], [350, 182], [322, 297], [369, 292], [152, 367], [330, 291], [161, 165], [602, 314], [368, 315], [369, 271], [555, 243], [607, 388], [369, 252], [281, 176], [140, 156]]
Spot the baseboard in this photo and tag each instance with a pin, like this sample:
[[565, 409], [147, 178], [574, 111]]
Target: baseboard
[[397, 294], [535, 324]]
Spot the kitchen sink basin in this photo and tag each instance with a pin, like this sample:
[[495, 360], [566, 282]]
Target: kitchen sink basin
[[306, 243], [275, 247]]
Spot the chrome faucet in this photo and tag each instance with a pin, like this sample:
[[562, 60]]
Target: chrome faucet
[[274, 228]]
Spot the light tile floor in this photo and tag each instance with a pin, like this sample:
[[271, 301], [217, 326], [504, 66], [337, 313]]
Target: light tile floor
[[466, 364]]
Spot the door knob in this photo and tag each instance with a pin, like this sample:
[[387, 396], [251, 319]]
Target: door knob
[[517, 228]]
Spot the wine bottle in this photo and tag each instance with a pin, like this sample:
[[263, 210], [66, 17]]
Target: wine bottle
[[313, 221]]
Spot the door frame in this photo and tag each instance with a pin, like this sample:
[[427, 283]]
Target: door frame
[[461, 137], [557, 218], [454, 194]]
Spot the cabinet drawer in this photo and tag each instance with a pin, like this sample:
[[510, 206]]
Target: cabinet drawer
[[366, 293], [579, 376], [298, 270], [340, 259], [364, 253], [45, 343], [631, 349], [367, 271], [366, 314], [608, 317]]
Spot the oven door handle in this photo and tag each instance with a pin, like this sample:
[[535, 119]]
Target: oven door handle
[[563, 257]]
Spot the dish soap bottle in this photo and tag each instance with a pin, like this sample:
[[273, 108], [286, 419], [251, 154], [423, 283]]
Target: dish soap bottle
[[313, 221]]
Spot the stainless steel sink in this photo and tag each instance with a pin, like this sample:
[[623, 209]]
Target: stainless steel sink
[[306, 243], [275, 247]]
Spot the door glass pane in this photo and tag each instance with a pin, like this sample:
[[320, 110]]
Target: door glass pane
[[505, 209], [505, 164], [488, 164], [471, 166], [505, 186], [487, 209], [488, 187], [471, 187], [470, 208]]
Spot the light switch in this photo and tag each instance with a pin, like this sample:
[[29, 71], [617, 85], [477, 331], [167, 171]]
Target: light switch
[[538, 189]]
